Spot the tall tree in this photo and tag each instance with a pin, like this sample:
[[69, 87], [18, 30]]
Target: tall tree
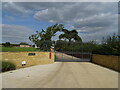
[[43, 39], [69, 35]]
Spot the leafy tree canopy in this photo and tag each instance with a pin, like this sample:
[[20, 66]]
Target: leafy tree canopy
[[43, 39], [69, 35]]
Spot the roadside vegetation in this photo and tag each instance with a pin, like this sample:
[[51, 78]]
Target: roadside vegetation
[[108, 46], [55, 57], [7, 66]]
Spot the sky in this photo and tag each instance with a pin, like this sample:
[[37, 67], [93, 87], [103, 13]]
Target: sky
[[93, 20]]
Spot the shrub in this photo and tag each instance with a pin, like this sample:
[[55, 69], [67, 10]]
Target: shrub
[[6, 66], [109, 46], [55, 57]]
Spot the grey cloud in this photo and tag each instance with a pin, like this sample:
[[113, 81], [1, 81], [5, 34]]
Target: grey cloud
[[97, 22], [15, 9], [75, 11], [29, 7], [87, 17], [15, 33], [98, 35]]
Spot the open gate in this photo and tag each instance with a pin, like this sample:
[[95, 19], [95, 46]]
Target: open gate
[[72, 51]]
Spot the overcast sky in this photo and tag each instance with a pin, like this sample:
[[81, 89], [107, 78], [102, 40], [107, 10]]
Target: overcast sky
[[93, 20]]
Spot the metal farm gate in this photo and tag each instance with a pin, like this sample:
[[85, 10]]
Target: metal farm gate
[[72, 51]]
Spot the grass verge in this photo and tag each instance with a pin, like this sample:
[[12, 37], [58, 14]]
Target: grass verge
[[7, 66]]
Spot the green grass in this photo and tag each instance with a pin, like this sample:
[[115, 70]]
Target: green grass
[[5, 49], [6, 66]]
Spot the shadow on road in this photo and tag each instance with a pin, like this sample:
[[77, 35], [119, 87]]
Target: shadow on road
[[68, 57]]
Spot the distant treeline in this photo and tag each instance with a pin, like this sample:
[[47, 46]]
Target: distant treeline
[[108, 46], [8, 44]]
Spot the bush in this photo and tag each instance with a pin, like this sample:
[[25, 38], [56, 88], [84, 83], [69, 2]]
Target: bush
[[109, 46], [7, 66], [105, 50]]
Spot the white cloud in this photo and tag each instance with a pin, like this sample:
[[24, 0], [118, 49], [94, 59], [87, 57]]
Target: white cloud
[[91, 19], [15, 33], [12, 7], [97, 22]]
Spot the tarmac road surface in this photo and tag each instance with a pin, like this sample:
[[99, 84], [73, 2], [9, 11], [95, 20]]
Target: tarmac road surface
[[61, 75]]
